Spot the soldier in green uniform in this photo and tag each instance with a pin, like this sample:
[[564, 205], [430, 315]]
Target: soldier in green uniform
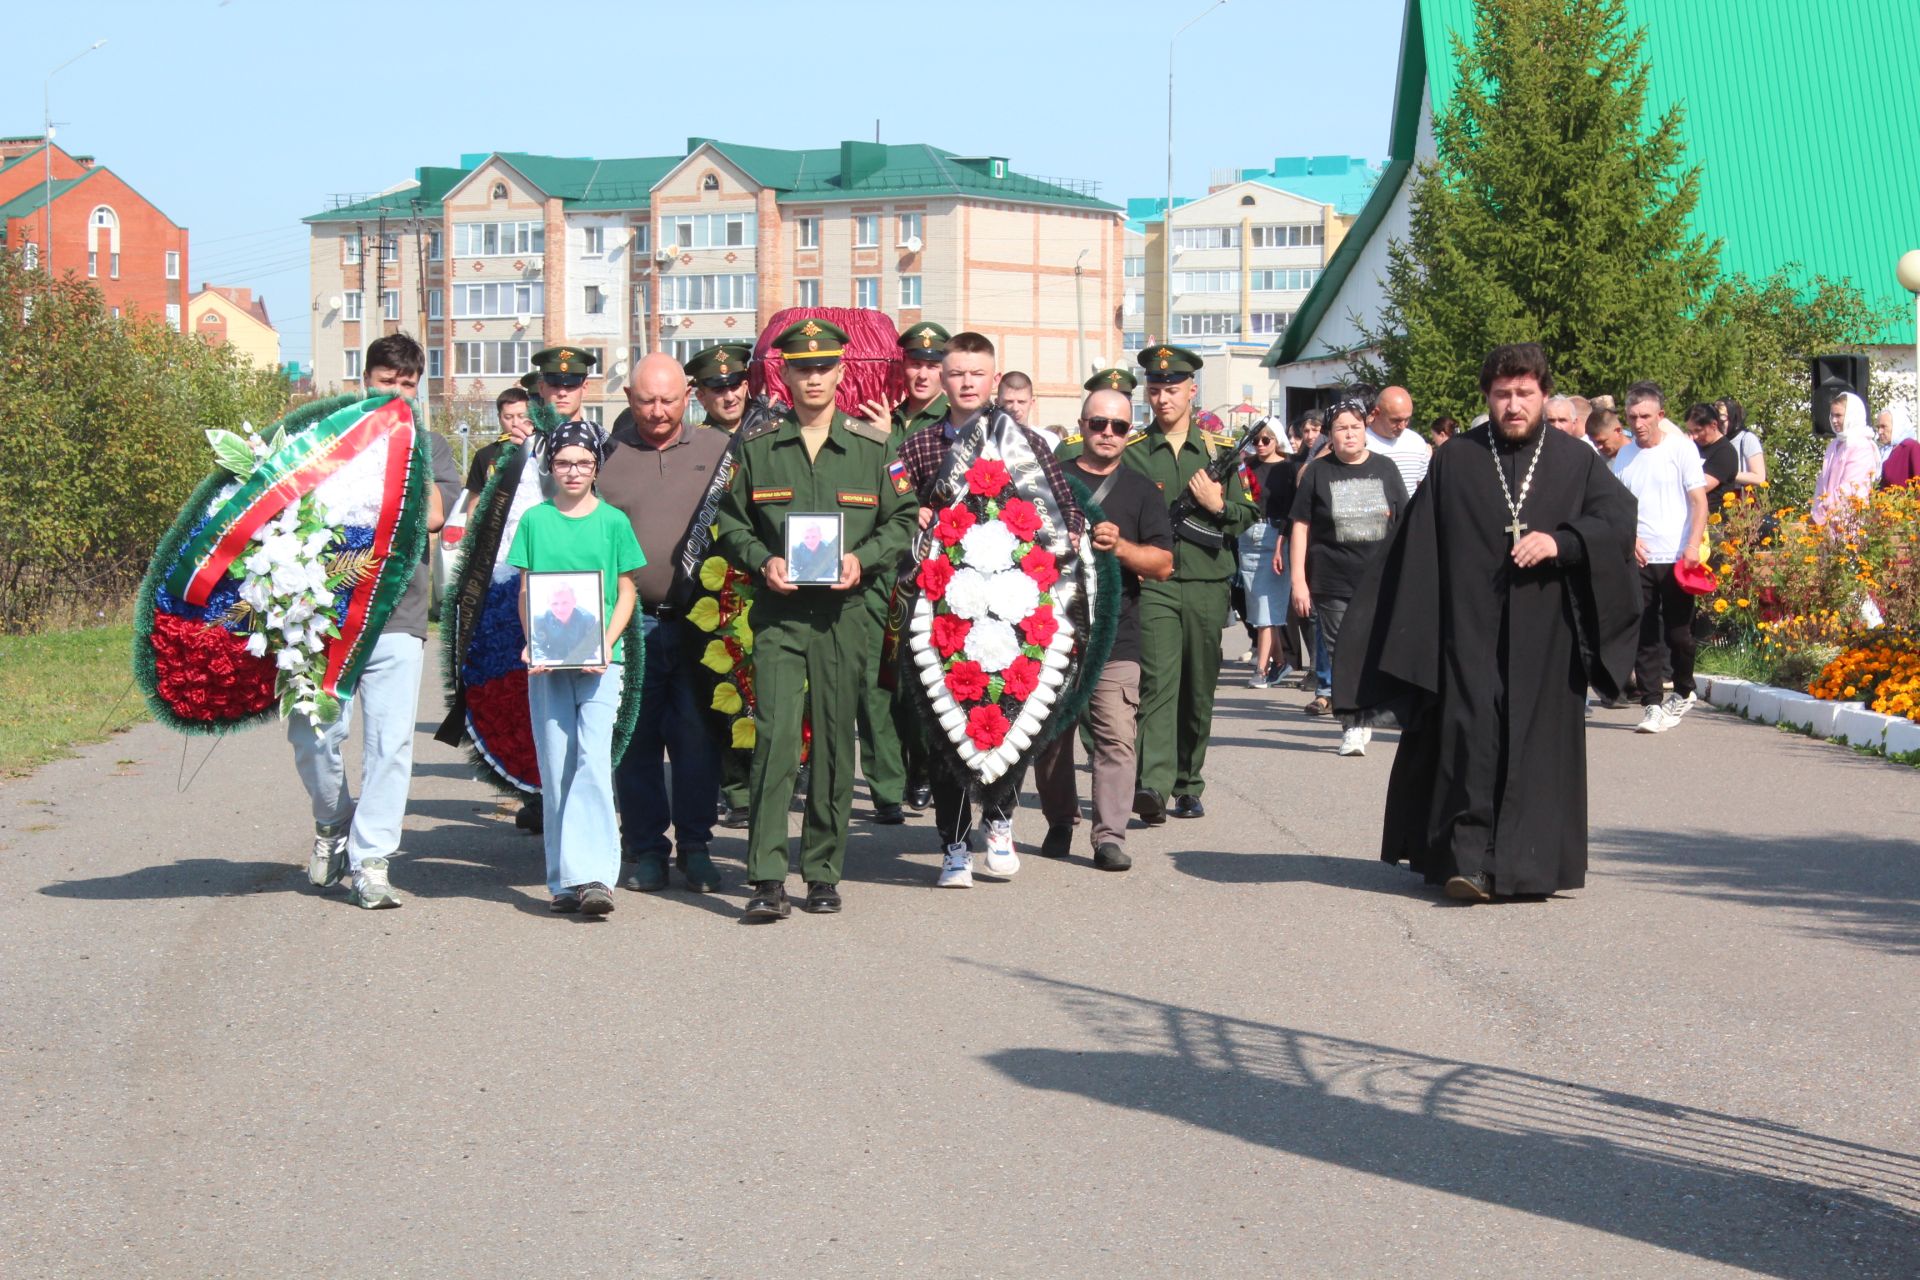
[[810, 640], [893, 745], [1180, 619], [1121, 380]]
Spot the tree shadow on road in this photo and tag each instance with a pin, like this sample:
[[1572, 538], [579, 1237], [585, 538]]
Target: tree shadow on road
[[1860, 890], [1742, 1191]]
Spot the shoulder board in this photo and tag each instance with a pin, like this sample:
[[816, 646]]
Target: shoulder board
[[1215, 441], [1135, 439], [766, 426], [1075, 438], [867, 431]]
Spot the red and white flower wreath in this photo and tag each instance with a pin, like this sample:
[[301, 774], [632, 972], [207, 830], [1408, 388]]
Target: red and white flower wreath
[[990, 648]]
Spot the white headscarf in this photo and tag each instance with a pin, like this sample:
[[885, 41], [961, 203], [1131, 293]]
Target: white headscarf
[[1854, 426], [1902, 422]]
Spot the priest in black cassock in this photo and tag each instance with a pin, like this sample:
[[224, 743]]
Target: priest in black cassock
[[1507, 590]]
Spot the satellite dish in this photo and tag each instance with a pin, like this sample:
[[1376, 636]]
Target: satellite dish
[[914, 244], [522, 322], [336, 302]]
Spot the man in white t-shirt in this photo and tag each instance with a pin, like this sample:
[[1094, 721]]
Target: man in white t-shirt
[[1388, 434], [1664, 473]]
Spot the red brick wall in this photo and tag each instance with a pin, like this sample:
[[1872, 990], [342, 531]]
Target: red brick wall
[[146, 236]]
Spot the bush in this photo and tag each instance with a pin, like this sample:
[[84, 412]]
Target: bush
[[101, 441]]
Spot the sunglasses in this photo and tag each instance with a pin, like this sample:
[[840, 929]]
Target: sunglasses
[[1111, 426]]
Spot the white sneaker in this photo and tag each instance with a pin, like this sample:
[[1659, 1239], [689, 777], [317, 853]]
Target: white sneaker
[[1001, 859], [1353, 742], [1366, 734], [1676, 706], [1259, 681], [1655, 720], [956, 869], [370, 888], [329, 860]]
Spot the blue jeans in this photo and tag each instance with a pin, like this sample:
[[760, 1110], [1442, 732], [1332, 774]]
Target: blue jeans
[[672, 724], [1322, 655], [386, 699], [573, 714]]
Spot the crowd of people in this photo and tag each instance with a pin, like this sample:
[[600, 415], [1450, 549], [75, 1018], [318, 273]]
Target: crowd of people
[[1312, 531]]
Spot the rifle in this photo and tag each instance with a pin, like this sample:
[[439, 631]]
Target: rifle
[[1180, 510]]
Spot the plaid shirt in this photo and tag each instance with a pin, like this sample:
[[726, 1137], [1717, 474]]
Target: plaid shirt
[[925, 451]]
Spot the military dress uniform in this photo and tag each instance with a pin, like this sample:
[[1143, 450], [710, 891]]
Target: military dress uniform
[[1180, 619], [817, 639]]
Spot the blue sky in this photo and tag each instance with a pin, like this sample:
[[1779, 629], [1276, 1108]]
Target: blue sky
[[238, 117]]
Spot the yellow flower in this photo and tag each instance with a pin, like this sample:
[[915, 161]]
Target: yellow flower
[[1741, 603], [726, 698], [1715, 517], [1720, 606]]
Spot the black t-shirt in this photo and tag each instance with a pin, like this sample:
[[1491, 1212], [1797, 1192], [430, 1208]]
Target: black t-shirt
[[1721, 461], [1274, 486], [1348, 509], [482, 466], [1136, 508]]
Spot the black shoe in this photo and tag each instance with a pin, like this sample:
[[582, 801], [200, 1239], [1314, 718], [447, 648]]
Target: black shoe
[[1111, 857], [595, 899], [645, 875], [769, 901], [696, 864], [564, 903], [1151, 809], [888, 815], [1188, 807], [920, 794], [1059, 841], [731, 818], [1474, 888], [532, 816], [822, 899]]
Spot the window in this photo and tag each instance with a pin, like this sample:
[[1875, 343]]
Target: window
[[1133, 303], [1133, 340], [436, 246], [911, 225], [351, 360], [1271, 323], [390, 304], [643, 238], [93, 265], [592, 413], [436, 362], [513, 298], [709, 293], [491, 359], [909, 291], [1133, 268], [1294, 235], [710, 183], [1222, 323], [173, 316], [113, 265], [596, 300], [1206, 237], [1206, 281], [642, 303], [499, 191], [866, 230], [173, 265], [436, 304], [806, 293], [1283, 279], [350, 249], [390, 248], [808, 232], [596, 238], [498, 239], [103, 218], [685, 349], [710, 230], [866, 291], [351, 305]]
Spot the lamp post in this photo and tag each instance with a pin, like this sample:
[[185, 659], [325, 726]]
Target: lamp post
[[46, 115], [1908, 272], [1166, 215], [1079, 321]]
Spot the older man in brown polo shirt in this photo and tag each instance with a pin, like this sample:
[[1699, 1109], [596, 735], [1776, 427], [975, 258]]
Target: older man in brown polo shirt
[[657, 470]]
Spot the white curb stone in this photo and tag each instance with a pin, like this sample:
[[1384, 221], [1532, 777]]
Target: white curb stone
[[1859, 727], [1903, 735]]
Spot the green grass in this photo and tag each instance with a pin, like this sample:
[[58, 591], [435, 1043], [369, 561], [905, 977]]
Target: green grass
[[63, 689]]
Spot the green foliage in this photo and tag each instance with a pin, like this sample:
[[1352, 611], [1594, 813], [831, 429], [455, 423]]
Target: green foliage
[[62, 689], [1552, 213], [102, 441]]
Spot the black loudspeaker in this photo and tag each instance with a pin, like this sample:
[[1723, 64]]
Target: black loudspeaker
[[1834, 376]]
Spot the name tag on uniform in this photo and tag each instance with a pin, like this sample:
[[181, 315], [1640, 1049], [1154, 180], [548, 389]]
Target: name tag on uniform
[[773, 495], [858, 499]]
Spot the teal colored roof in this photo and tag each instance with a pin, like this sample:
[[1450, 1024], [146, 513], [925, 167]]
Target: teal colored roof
[[1344, 182], [1801, 129], [35, 197]]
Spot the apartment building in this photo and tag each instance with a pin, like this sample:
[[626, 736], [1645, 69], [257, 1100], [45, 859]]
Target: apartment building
[[512, 252], [220, 315]]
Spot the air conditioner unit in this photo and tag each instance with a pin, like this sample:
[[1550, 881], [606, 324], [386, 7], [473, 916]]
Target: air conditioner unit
[[668, 321], [665, 253]]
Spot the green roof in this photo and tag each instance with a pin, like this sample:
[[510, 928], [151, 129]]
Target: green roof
[[35, 197], [1801, 129]]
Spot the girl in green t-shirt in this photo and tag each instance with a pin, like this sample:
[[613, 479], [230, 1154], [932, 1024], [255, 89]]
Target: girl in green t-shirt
[[573, 708]]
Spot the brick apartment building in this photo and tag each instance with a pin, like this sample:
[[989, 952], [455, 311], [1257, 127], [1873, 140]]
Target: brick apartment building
[[510, 252], [102, 228]]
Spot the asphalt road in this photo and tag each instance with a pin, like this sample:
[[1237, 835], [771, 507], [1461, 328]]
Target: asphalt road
[[1262, 1052]]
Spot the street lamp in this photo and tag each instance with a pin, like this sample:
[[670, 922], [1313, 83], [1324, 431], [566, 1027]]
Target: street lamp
[[46, 115], [1166, 216], [1908, 272], [1079, 321]]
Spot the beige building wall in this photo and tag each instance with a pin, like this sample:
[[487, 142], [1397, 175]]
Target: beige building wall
[[412, 274], [216, 318], [496, 192]]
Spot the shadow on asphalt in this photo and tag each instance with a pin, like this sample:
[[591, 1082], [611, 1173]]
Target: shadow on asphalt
[[1368, 874], [1864, 891], [1738, 1190]]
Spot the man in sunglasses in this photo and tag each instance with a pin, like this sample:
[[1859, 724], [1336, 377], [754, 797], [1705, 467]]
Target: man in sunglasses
[[1133, 525]]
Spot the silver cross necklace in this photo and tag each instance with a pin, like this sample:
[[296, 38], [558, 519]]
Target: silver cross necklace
[[1514, 530]]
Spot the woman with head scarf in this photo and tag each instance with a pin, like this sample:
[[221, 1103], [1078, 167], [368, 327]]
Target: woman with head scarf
[[1852, 462], [1901, 466]]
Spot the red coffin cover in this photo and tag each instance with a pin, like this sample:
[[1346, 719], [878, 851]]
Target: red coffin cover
[[872, 359]]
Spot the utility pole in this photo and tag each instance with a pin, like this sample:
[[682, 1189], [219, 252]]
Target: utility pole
[[1079, 321], [1166, 217], [46, 143]]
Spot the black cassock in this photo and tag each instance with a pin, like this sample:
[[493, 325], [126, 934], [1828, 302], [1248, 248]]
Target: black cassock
[[1487, 664]]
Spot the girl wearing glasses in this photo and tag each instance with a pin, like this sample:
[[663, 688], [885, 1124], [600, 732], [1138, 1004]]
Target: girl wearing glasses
[[1263, 557]]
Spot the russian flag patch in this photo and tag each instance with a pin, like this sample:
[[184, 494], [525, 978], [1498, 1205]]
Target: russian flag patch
[[897, 472]]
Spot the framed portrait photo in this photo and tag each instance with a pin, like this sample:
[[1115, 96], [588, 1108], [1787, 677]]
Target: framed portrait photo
[[564, 626], [814, 548]]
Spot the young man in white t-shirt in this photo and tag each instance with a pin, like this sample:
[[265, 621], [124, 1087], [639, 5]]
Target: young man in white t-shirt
[[1389, 434], [1663, 471]]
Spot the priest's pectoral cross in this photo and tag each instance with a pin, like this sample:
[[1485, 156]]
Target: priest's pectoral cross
[[1514, 530]]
